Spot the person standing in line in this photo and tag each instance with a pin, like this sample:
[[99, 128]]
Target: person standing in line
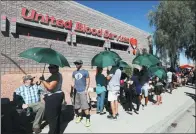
[[144, 79], [114, 90], [129, 89], [192, 77], [100, 90], [53, 98], [158, 90], [169, 80], [138, 86], [81, 81]]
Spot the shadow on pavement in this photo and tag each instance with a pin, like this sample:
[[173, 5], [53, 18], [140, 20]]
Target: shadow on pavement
[[193, 96], [16, 121], [191, 86]]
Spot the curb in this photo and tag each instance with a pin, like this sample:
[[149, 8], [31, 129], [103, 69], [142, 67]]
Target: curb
[[162, 125]]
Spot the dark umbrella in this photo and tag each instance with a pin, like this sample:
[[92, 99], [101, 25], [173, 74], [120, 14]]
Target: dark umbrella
[[45, 55], [146, 60], [105, 59], [158, 71], [123, 64]]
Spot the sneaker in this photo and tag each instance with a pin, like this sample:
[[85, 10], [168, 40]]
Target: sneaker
[[102, 113], [136, 111], [130, 112], [111, 117], [37, 130], [117, 114], [87, 123], [78, 120], [143, 107], [114, 118], [98, 112]]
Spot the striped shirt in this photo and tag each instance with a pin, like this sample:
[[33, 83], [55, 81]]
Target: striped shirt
[[30, 94]]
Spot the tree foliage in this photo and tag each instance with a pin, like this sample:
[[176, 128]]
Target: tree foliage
[[174, 23]]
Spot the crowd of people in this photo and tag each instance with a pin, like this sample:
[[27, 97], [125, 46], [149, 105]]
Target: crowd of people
[[116, 87]]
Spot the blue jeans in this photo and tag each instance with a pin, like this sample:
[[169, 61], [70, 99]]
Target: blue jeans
[[100, 101]]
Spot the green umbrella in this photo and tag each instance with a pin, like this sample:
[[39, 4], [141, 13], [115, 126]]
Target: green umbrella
[[123, 64], [158, 71], [146, 60], [105, 59], [45, 55]]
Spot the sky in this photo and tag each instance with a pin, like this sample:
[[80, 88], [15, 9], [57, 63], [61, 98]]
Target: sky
[[131, 12]]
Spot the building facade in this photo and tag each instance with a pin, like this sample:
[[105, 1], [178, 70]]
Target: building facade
[[76, 31]]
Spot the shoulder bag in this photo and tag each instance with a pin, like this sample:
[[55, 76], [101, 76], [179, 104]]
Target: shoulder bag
[[100, 89]]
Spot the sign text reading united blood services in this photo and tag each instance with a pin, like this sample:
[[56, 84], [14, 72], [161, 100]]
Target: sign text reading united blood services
[[79, 27]]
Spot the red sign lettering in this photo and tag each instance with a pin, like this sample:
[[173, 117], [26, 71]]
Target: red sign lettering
[[79, 27], [34, 16], [59, 23]]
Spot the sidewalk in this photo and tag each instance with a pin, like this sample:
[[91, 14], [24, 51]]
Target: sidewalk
[[149, 120], [183, 124]]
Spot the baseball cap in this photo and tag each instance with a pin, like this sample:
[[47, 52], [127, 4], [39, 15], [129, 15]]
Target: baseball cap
[[78, 61], [28, 77]]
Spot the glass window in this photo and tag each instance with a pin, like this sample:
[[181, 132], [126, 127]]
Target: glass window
[[119, 46], [40, 33], [89, 41]]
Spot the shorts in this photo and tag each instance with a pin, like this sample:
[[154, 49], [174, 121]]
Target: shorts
[[113, 95], [81, 101], [158, 90], [145, 90]]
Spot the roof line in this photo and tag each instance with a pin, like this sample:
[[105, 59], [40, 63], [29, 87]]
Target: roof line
[[105, 15]]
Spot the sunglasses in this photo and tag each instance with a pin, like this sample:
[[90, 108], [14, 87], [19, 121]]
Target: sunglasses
[[77, 63]]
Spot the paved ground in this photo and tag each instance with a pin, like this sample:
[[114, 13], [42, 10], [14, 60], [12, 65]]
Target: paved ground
[[151, 119], [185, 123]]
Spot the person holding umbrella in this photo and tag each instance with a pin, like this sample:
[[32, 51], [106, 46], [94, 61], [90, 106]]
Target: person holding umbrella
[[53, 98], [81, 81]]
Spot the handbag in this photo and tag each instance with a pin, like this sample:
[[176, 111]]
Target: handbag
[[67, 112], [100, 89]]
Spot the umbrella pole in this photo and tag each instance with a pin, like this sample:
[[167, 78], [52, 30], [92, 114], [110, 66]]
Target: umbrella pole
[[44, 70], [45, 64]]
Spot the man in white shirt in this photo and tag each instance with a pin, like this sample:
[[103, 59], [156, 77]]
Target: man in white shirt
[[114, 90], [169, 80]]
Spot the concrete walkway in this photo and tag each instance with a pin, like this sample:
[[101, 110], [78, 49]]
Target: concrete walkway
[[151, 119], [183, 124]]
